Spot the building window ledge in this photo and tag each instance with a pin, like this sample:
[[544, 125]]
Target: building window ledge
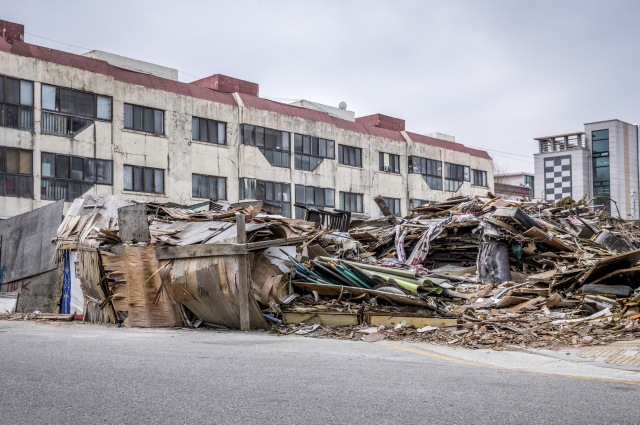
[[147, 194], [351, 166], [198, 142], [144, 133]]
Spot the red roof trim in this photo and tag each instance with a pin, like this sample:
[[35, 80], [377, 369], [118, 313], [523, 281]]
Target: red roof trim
[[102, 67], [151, 81]]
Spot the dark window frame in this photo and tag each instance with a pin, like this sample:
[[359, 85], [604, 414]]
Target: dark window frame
[[217, 179], [20, 176], [144, 109], [601, 187], [249, 135], [58, 103], [327, 193], [85, 184], [393, 204], [286, 212], [414, 203], [455, 174], [483, 178], [305, 155], [428, 169], [342, 204], [344, 156], [208, 128], [142, 183], [394, 163], [19, 105]]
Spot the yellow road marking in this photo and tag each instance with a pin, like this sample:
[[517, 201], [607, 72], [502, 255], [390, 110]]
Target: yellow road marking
[[454, 360]]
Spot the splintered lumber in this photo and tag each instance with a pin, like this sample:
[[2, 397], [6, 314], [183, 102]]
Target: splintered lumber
[[542, 236], [382, 205], [243, 276], [526, 304]]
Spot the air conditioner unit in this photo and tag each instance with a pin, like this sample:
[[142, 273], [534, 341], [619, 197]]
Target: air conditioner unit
[[385, 168]]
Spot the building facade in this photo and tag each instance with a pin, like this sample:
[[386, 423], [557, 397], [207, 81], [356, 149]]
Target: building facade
[[601, 162], [514, 186], [105, 124]]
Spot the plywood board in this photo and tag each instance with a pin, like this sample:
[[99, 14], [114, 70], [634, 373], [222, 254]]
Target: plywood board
[[328, 318]]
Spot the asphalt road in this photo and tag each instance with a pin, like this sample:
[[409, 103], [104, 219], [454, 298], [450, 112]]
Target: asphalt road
[[76, 373]]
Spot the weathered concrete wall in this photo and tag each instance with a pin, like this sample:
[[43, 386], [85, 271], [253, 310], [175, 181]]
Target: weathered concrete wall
[[180, 156]]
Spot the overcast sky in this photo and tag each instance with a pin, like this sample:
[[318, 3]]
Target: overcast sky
[[495, 74]]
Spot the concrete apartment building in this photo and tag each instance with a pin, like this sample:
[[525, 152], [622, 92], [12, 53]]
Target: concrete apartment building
[[104, 124], [602, 161]]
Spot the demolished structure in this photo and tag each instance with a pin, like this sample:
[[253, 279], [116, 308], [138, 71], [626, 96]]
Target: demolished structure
[[476, 272]]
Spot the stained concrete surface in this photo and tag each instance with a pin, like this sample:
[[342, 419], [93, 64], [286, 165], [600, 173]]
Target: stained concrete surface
[[70, 372]]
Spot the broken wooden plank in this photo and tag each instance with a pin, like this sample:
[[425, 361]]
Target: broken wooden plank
[[526, 304], [205, 250], [243, 276], [382, 205], [254, 246]]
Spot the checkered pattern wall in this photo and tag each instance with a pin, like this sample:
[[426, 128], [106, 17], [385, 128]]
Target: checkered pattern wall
[[557, 177]]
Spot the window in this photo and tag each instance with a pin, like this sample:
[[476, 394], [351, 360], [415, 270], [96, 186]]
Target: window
[[393, 204], [415, 203], [348, 155], [601, 170], [16, 173], [208, 187], [389, 162], [16, 103], [143, 179], [275, 145], [454, 176], [209, 131], [479, 178], [351, 202], [430, 169], [275, 193], [143, 119], [528, 181], [310, 151], [314, 197], [71, 110], [68, 177]]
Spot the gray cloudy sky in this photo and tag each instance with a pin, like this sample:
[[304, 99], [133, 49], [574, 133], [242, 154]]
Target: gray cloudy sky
[[494, 74]]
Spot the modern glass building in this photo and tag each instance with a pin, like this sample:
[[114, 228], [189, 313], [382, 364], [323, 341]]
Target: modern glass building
[[599, 164]]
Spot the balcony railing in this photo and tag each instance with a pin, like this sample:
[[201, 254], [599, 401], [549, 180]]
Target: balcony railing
[[63, 125], [562, 144]]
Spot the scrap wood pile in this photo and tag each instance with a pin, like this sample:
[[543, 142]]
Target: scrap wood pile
[[123, 280], [474, 272], [481, 272]]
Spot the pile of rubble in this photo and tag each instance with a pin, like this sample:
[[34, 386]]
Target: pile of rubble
[[481, 272], [474, 272]]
